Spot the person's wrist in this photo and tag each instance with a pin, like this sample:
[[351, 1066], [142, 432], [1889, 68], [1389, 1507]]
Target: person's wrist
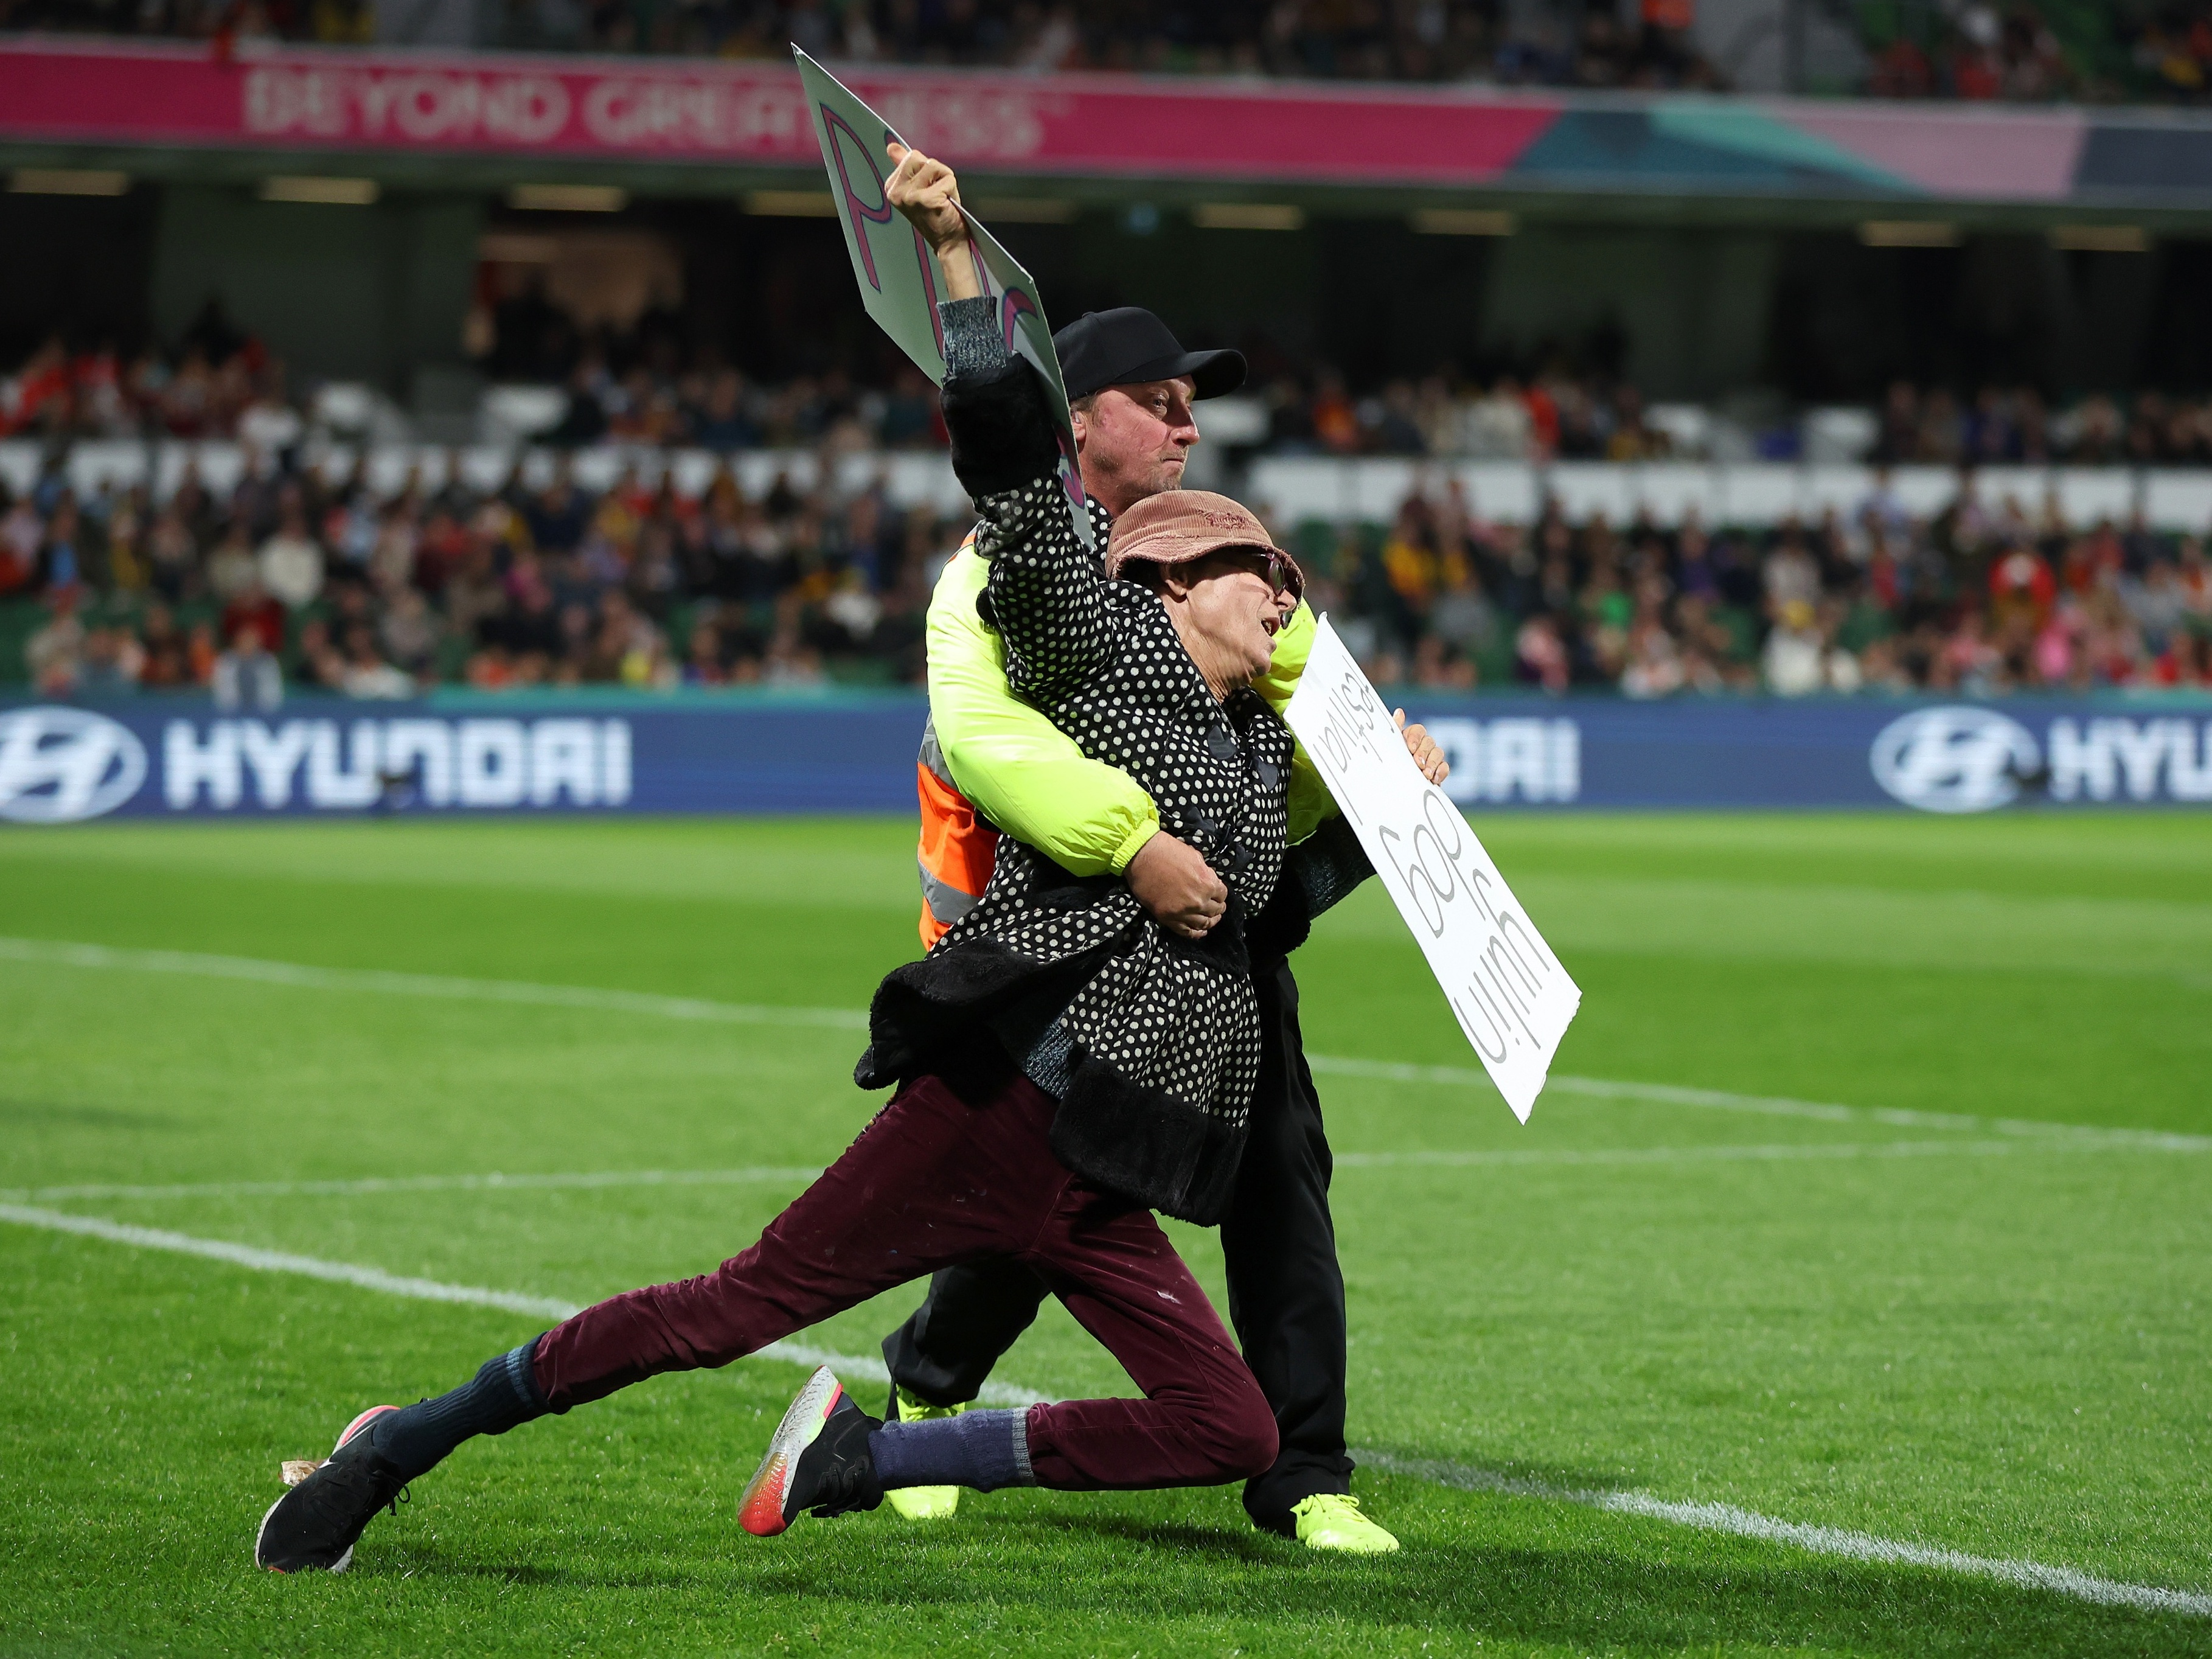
[[1138, 839], [957, 272]]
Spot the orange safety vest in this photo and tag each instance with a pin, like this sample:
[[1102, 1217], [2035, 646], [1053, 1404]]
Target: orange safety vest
[[958, 848]]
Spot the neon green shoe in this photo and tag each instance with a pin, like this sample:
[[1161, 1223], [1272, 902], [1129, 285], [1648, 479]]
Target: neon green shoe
[[922, 1502], [1331, 1520]]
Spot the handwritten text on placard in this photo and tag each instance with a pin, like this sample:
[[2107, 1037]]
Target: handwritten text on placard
[[1506, 988]]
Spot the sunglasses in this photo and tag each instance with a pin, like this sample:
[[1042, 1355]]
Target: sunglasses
[[1281, 576]]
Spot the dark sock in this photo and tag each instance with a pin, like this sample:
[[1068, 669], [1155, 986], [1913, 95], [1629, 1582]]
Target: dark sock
[[982, 1449], [504, 1393]]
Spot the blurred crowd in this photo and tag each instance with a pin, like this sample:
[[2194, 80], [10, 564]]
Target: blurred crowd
[[1363, 40], [1999, 425], [1964, 49], [1976, 51], [305, 578], [297, 580], [2152, 49], [1985, 598], [313, 582], [219, 383]]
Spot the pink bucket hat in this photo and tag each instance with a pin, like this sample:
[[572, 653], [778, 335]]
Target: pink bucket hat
[[1178, 526]]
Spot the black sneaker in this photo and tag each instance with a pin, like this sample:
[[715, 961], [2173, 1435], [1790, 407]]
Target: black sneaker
[[315, 1523], [818, 1461]]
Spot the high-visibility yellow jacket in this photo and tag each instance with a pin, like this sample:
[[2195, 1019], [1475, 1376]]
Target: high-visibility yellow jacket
[[990, 761]]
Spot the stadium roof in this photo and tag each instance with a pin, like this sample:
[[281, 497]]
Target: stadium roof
[[687, 126]]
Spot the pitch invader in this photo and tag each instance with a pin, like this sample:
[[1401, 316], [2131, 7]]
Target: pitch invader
[[1065, 1065]]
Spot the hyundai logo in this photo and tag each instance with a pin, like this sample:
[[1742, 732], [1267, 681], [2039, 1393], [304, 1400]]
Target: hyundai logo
[[1956, 759], [59, 765]]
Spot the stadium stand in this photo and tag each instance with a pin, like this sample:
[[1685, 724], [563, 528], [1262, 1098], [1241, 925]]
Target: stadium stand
[[668, 491], [1399, 41], [375, 572], [1962, 49]]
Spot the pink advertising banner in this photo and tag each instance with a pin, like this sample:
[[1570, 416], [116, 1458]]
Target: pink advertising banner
[[701, 110], [706, 110]]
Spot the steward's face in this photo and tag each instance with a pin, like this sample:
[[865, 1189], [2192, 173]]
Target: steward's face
[[1135, 438]]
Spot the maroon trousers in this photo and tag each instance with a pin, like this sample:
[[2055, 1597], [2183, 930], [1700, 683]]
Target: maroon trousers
[[935, 1181]]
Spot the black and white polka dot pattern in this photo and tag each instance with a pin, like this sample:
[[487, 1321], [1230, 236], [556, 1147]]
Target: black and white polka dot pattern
[[1104, 660]]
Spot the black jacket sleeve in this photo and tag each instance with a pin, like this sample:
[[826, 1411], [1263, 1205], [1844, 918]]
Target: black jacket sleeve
[[1002, 435], [994, 404]]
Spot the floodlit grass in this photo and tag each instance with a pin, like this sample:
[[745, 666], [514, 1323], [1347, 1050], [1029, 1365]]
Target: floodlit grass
[[1987, 1340]]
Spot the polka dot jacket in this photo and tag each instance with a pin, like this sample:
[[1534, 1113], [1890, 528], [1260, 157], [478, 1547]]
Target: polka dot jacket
[[1151, 1043]]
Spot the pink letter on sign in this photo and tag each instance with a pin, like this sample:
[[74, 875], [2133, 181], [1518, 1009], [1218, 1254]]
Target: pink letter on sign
[[880, 213]]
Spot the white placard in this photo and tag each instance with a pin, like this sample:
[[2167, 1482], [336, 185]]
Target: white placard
[[897, 276], [1509, 991]]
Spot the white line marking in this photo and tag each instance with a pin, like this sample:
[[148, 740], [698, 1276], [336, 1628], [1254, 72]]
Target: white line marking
[[1782, 1153], [63, 953], [371, 1185], [301, 977], [1709, 1517], [1665, 1094], [419, 1290], [1817, 1540], [282, 1261], [495, 1181]]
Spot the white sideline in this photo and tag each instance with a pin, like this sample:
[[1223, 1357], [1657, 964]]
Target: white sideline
[[369, 1186], [1819, 1541], [1665, 1094], [64, 953], [300, 976], [1778, 1152], [1709, 1517], [420, 1289]]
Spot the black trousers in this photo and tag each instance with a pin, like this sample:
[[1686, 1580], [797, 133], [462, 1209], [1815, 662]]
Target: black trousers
[[1285, 1290]]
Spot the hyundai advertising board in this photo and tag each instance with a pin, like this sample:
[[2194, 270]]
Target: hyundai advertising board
[[65, 764]]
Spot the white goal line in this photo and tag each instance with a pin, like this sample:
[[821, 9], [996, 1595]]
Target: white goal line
[[302, 976], [1706, 1517]]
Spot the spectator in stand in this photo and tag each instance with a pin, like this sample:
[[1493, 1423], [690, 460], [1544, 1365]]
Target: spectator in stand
[[1791, 574], [251, 607], [114, 660], [21, 532], [166, 665], [290, 563], [1541, 655], [55, 653], [231, 568], [365, 673], [248, 676], [57, 568], [1333, 420]]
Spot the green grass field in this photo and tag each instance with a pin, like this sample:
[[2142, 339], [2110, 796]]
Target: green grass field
[[1974, 1315]]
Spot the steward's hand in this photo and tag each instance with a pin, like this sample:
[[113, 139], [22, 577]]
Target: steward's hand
[[1423, 748], [1171, 879], [928, 193]]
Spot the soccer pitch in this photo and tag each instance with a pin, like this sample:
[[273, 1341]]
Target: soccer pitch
[[1850, 1291]]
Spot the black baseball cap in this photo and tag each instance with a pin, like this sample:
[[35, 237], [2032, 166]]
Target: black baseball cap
[[1128, 344]]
